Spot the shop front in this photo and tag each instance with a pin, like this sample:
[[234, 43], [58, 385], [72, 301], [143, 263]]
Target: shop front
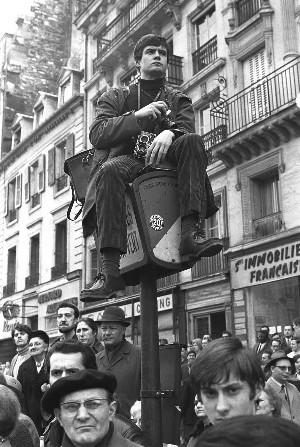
[[266, 287]]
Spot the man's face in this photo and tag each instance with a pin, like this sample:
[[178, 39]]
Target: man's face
[[66, 320], [265, 357], [20, 338], [62, 365], [275, 346], [37, 346], [262, 337], [191, 358], [85, 427], [112, 333], [288, 331], [228, 399], [282, 370], [153, 64]]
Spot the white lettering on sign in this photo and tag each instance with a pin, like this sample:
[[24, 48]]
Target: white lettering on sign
[[163, 303], [135, 251], [266, 266]]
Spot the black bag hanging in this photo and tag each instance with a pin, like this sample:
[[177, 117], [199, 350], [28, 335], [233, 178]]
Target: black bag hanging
[[78, 168]]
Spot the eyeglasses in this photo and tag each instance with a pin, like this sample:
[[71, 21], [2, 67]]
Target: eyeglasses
[[90, 405], [284, 368]]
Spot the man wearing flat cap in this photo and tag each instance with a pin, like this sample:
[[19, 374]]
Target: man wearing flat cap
[[83, 404], [281, 368], [120, 358]]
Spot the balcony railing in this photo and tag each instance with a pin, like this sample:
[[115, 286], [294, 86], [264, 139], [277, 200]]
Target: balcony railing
[[209, 266], [205, 55], [267, 225], [162, 283], [9, 289], [264, 98], [58, 270], [246, 9], [125, 21], [32, 280], [212, 138]]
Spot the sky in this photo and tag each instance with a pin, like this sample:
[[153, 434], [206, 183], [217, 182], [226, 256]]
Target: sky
[[10, 11]]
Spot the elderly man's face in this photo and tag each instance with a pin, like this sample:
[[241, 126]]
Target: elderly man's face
[[86, 426], [112, 333], [63, 365]]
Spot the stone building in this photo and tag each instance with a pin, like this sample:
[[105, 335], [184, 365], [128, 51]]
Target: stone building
[[243, 78], [41, 118], [239, 62]]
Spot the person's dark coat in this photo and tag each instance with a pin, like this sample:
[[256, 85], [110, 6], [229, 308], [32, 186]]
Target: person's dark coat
[[125, 364], [31, 381], [112, 132], [21, 437]]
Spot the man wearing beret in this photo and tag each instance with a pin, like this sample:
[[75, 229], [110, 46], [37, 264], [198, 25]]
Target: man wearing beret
[[120, 358], [281, 368], [83, 404]]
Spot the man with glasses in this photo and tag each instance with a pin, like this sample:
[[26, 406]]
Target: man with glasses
[[83, 404], [281, 368], [120, 357]]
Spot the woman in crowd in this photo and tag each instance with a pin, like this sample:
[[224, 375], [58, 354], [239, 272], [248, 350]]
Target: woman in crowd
[[294, 348], [268, 403], [197, 345], [87, 333], [13, 432], [202, 421]]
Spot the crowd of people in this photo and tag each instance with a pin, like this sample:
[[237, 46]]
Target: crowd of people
[[83, 388]]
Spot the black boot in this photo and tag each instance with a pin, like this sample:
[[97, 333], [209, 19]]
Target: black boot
[[194, 243], [104, 288]]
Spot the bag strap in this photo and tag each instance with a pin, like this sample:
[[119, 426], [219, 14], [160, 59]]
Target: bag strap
[[73, 200]]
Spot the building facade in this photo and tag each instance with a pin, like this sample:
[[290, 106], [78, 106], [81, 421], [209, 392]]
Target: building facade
[[243, 79]]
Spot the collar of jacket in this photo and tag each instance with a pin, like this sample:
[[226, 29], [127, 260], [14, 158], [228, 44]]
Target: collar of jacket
[[23, 351]]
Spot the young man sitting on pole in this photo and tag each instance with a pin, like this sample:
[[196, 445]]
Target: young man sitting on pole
[[164, 117]]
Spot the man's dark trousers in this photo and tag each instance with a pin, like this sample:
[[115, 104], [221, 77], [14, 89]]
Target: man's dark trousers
[[187, 154]]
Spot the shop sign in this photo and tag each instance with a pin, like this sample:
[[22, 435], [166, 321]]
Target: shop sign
[[266, 266], [49, 296], [52, 308], [8, 326], [163, 303]]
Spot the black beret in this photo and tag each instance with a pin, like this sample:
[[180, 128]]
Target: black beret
[[81, 380]]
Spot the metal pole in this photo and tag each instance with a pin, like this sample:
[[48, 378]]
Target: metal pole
[[150, 394]]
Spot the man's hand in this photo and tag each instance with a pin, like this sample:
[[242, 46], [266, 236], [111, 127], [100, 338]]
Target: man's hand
[[158, 150], [153, 111]]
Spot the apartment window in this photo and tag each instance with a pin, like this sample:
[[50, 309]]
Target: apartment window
[[34, 262], [34, 183], [17, 136], [213, 323], [9, 289], [205, 40], [65, 91], [39, 113], [56, 159], [13, 198], [266, 206], [60, 266], [203, 121], [259, 182]]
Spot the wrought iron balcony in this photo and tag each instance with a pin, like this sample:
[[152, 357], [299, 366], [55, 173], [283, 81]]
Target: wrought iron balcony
[[59, 270], [9, 289], [205, 55], [32, 280], [162, 283], [210, 266], [260, 100], [124, 23], [258, 118], [267, 225], [246, 9], [212, 138]]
